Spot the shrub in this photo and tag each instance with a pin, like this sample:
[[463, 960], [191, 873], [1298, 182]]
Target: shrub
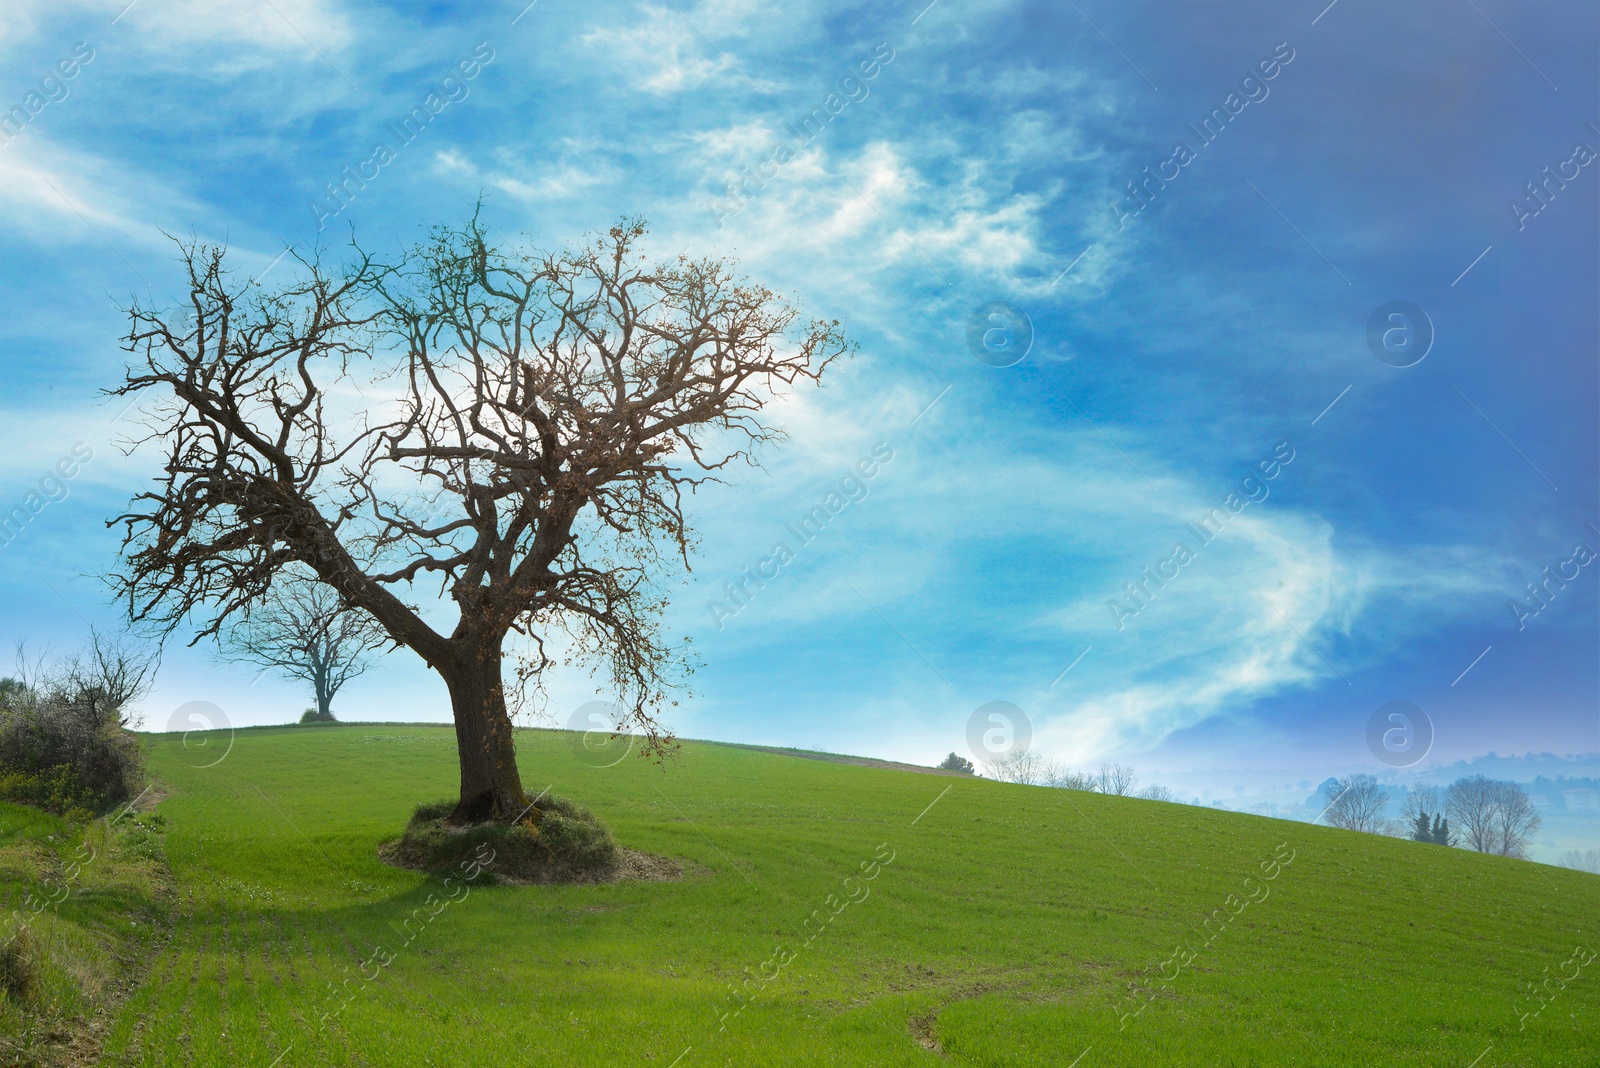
[[56, 789], [557, 841], [64, 745]]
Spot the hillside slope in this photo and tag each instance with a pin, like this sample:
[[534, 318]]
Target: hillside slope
[[831, 914]]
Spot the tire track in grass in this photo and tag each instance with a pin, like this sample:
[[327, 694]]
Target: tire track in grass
[[318, 1035], [298, 943], [287, 1021], [289, 941], [255, 993], [170, 1014], [223, 1018], [127, 1036]]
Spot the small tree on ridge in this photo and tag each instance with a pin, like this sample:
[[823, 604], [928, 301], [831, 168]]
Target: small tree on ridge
[[304, 630]]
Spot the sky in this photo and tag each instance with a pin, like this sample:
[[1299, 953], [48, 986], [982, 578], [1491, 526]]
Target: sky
[[1340, 320]]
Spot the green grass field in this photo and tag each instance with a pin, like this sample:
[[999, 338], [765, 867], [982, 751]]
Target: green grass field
[[1003, 925]]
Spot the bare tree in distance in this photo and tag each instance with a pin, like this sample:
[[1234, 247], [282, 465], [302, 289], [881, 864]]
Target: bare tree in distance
[[1421, 801], [1421, 809], [1582, 860], [1066, 779], [561, 403], [303, 629], [1025, 767], [1155, 792], [1356, 804], [1491, 816], [1116, 779], [1518, 820]]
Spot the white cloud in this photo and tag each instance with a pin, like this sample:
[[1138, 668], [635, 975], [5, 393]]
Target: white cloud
[[1057, 520], [661, 52], [562, 178], [175, 26], [47, 191]]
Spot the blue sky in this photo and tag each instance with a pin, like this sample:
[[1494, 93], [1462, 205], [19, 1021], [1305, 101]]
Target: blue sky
[[986, 161]]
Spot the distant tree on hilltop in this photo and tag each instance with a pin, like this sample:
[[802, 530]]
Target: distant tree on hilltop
[[1117, 779], [1582, 860], [1492, 816], [957, 763], [1356, 804], [304, 630]]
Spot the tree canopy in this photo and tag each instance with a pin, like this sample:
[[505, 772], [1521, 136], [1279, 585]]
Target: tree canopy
[[511, 427]]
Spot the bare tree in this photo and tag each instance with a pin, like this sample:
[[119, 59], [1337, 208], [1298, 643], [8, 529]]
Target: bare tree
[[1116, 779], [1470, 804], [1517, 822], [1582, 860], [1025, 766], [303, 629], [558, 404], [1157, 793], [1492, 816], [1066, 779], [106, 679], [1356, 804], [1421, 801]]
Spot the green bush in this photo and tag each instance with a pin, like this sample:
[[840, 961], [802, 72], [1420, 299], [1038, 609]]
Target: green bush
[[557, 841], [56, 789]]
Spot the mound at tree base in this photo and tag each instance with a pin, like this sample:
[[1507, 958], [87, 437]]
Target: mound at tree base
[[556, 842]]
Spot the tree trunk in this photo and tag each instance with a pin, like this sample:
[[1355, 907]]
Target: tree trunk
[[491, 788], [324, 698]]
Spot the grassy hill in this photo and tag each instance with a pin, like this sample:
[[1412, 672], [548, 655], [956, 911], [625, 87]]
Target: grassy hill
[[1000, 925]]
